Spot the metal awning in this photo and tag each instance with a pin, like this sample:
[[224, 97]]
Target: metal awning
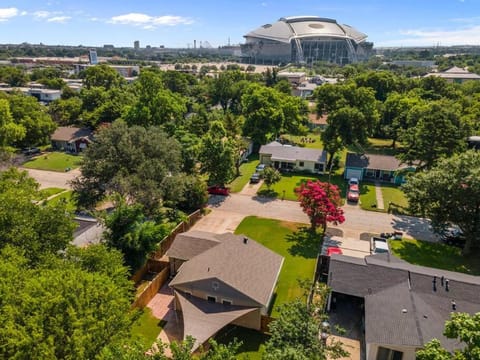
[[203, 319]]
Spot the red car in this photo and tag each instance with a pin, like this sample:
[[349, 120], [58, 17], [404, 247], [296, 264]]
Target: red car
[[334, 250], [353, 187], [218, 190], [353, 195]]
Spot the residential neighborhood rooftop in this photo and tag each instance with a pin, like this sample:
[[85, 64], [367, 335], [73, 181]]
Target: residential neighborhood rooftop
[[373, 161], [70, 133], [282, 152]]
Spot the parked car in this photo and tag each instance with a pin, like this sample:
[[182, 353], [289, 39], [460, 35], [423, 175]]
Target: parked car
[[31, 151], [379, 245], [255, 178], [353, 181], [453, 236], [353, 187], [353, 195], [334, 250], [218, 190], [260, 167]]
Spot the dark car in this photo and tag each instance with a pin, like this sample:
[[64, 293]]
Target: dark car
[[31, 151], [218, 190], [454, 237], [255, 178]]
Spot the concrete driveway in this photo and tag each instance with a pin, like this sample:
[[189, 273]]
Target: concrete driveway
[[48, 179], [228, 212]]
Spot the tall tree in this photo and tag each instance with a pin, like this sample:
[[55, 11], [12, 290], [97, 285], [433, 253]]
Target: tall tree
[[102, 75], [218, 155], [10, 132], [321, 202], [434, 131], [450, 193]]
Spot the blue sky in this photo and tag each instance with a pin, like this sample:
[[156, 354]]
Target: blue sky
[[177, 23]]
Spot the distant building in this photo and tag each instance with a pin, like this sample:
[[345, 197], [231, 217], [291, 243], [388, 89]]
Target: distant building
[[136, 44], [108, 46], [124, 70], [43, 95], [71, 139], [92, 56], [455, 75], [294, 78], [305, 39]]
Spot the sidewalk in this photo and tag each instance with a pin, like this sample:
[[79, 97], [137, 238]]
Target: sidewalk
[[379, 195]]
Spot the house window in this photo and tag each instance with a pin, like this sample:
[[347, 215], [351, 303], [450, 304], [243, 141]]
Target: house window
[[226, 302], [388, 354], [318, 167], [301, 164], [211, 299]]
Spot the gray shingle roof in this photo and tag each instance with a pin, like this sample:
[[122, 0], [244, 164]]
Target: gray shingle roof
[[189, 244], [401, 305], [293, 153], [249, 267], [371, 161]]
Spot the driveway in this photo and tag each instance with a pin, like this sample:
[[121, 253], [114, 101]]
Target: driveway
[[48, 179], [228, 212]]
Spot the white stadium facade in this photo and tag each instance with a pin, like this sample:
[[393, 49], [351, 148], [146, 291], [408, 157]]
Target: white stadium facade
[[305, 39]]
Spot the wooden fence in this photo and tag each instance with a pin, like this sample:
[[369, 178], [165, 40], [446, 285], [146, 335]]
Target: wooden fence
[[161, 278]]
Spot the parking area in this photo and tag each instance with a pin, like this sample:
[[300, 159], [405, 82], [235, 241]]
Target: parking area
[[349, 246]]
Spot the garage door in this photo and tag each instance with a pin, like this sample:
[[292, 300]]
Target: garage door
[[354, 173]]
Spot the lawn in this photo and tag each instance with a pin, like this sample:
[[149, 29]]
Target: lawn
[[67, 198], [252, 341], [43, 194], [435, 255], [246, 170], [377, 146], [314, 143], [391, 194], [289, 240], [290, 181], [54, 161], [368, 199], [146, 327]]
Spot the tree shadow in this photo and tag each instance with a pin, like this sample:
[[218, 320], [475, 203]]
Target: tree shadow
[[216, 200], [265, 195], [305, 243], [417, 228]]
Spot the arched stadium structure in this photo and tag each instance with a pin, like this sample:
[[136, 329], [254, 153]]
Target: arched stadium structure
[[305, 39]]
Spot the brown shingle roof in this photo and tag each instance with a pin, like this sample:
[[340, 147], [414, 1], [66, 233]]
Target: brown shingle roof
[[189, 244], [249, 267], [67, 133], [293, 153]]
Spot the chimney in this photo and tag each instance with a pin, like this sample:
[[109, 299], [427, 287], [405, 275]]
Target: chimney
[[446, 285], [245, 240], [454, 305]]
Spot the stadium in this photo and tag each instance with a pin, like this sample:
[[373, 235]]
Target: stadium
[[305, 39]]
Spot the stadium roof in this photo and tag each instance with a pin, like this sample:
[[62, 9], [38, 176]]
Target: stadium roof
[[288, 28]]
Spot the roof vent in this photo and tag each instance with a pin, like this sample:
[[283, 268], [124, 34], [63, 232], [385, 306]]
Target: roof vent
[[245, 240], [404, 311], [454, 305]]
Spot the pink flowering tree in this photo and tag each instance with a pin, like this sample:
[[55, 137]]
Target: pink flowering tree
[[321, 202]]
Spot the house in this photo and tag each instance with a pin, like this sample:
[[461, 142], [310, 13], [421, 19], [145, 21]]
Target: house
[[375, 168], [455, 75], [221, 279], [71, 139], [403, 306], [288, 157], [294, 78], [304, 90]]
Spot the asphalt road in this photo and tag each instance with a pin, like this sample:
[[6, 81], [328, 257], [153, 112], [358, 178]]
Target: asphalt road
[[227, 213]]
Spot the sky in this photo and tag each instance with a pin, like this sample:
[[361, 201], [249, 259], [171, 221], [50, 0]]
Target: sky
[[177, 23]]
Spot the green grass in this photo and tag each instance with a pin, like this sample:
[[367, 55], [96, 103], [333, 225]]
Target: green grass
[[297, 140], [54, 161], [252, 341], [368, 199], [146, 327], [246, 171], [290, 181], [298, 247], [390, 193], [47, 192], [377, 146], [67, 198], [435, 255]]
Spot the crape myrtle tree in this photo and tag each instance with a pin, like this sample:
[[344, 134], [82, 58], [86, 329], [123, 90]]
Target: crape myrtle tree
[[465, 329], [321, 202], [449, 193]]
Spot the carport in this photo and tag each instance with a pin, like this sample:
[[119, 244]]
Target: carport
[[203, 319]]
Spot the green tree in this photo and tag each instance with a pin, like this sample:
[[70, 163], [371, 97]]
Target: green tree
[[135, 162], [131, 233], [102, 76], [464, 328], [271, 176], [449, 193], [425, 138], [66, 111], [48, 313], [10, 132], [218, 155], [37, 229]]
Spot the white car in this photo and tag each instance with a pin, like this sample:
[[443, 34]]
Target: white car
[[353, 181]]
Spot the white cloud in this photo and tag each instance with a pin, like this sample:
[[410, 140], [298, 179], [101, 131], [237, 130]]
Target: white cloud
[[425, 37], [41, 14], [149, 22], [59, 19], [7, 13], [264, 4]]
